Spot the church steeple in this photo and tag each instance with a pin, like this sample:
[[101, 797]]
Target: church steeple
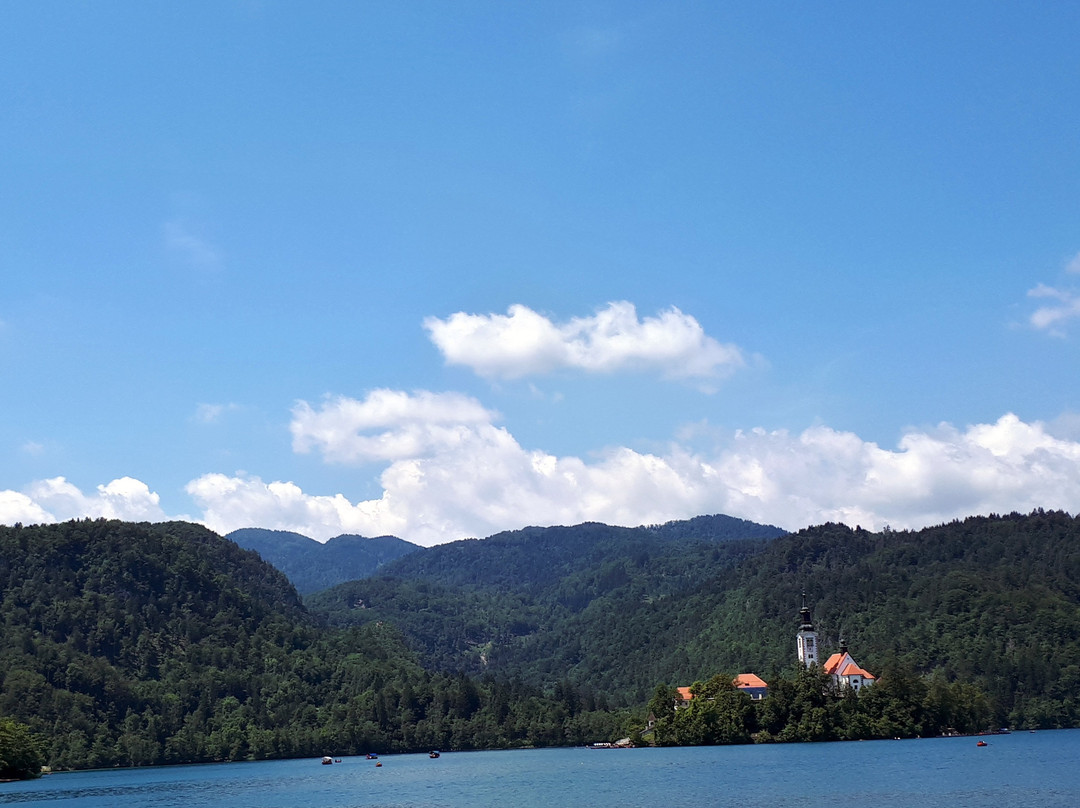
[[804, 616], [806, 641]]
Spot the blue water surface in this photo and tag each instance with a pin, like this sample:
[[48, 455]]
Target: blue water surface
[[1022, 770]]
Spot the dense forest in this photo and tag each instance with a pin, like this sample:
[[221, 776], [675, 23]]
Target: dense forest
[[129, 644], [22, 753], [311, 565], [993, 601], [135, 644], [807, 706], [588, 603]]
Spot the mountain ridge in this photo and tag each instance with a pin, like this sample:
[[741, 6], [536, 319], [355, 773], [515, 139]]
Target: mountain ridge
[[312, 565], [993, 600]]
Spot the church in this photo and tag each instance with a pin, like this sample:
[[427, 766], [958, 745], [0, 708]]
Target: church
[[841, 666]]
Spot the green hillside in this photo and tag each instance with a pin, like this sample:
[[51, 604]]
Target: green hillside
[[312, 565], [993, 601], [131, 644], [578, 604]]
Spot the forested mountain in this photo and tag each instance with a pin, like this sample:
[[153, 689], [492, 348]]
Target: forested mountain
[[994, 601], [539, 557], [548, 604], [311, 565], [134, 644]]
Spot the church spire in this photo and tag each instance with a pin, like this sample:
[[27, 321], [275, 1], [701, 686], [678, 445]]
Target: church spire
[[806, 640], [804, 616]]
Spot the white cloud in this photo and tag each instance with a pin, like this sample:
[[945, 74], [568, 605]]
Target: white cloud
[[56, 499], [18, 507], [523, 343], [450, 479], [1066, 306], [388, 425], [229, 503], [451, 472], [1052, 317]]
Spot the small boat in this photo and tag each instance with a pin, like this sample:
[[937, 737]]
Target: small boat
[[327, 761], [433, 754], [372, 756], [337, 760], [981, 743]]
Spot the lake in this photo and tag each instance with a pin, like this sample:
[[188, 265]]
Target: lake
[[1023, 770]]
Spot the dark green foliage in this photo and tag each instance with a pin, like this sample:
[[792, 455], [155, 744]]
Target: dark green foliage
[[536, 558], [990, 601], [135, 644], [603, 606], [718, 714], [993, 602], [132, 644], [807, 707], [21, 752], [311, 565]]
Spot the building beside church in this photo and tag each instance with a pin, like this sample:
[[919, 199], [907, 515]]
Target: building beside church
[[841, 666], [752, 685], [749, 683]]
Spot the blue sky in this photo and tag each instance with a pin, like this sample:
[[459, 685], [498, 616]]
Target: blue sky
[[439, 270]]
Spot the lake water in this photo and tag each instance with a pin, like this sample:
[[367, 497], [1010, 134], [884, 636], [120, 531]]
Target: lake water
[[1023, 770]]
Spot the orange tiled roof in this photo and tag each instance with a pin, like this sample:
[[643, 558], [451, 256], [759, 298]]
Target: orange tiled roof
[[749, 680], [684, 693], [833, 662], [854, 670]]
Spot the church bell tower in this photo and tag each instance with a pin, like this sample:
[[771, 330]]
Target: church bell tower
[[806, 641]]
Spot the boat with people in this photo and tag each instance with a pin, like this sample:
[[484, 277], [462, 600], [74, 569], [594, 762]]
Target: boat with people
[[433, 754], [327, 760]]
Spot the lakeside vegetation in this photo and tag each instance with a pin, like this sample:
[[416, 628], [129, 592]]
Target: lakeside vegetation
[[130, 644], [22, 754], [992, 601], [137, 644], [807, 707]]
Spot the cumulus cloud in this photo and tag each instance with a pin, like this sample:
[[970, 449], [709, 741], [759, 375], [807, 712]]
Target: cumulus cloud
[[450, 471], [524, 343], [470, 477], [56, 499], [230, 503], [387, 425], [18, 507]]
